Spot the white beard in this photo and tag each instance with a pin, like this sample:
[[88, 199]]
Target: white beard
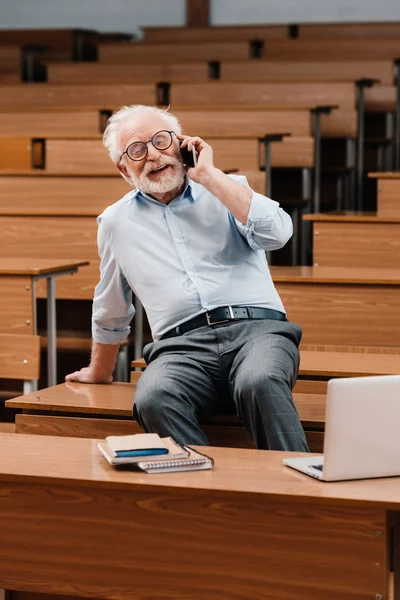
[[169, 181]]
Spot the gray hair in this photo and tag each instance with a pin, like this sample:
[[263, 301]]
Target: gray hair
[[119, 120]]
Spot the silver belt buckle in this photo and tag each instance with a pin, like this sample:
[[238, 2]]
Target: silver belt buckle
[[231, 315]]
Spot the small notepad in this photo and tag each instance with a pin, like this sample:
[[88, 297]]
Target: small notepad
[[174, 451], [194, 462]]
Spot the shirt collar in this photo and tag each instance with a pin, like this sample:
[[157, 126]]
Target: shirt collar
[[189, 192]]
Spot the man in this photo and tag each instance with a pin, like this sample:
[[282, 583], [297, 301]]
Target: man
[[191, 245]]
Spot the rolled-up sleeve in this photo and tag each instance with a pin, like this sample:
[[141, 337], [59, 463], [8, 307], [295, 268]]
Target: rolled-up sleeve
[[268, 226], [112, 303]]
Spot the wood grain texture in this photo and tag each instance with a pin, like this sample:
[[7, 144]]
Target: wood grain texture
[[325, 50], [370, 276], [74, 156], [348, 314], [242, 123], [37, 266], [70, 238], [214, 34], [389, 198], [173, 52], [355, 245], [349, 216], [219, 93], [81, 73], [16, 304], [19, 356], [15, 153], [84, 96], [380, 98], [375, 31], [10, 59], [308, 70], [51, 196], [241, 549], [384, 175], [41, 124]]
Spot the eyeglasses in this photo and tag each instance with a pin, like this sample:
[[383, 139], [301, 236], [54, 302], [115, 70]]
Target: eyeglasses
[[161, 140]]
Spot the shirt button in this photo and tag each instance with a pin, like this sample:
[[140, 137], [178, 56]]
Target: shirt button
[[191, 273]]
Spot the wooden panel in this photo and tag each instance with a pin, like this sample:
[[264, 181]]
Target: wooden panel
[[16, 304], [380, 98], [356, 244], [76, 156], [344, 314], [388, 197], [242, 123], [337, 275], [349, 216], [263, 94], [349, 30], [214, 33], [197, 13], [253, 70], [83, 196], [42, 124], [340, 123], [325, 50], [69, 238], [80, 73], [74, 426], [172, 52], [315, 441], [15, 153], [19, 356], [57, 523], [10, 59], [310, 386], [90, 96]]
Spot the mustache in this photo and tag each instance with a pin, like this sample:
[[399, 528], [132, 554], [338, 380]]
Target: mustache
[[152, 166]]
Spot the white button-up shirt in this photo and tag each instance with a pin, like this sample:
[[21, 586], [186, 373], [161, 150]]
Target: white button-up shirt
[[183, 259]]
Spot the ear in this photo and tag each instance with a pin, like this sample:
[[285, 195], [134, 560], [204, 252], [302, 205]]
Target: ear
[[121, 167]]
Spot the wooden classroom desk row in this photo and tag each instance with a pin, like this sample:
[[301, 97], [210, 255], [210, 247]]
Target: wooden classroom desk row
[[301, 50], [315, 31], [42, 122], [254, 71], [249, 528]]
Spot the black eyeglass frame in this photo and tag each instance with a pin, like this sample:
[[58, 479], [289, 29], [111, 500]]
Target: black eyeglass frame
[[146, 147]]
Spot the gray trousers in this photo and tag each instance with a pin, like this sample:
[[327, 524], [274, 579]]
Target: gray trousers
[[249, 366]]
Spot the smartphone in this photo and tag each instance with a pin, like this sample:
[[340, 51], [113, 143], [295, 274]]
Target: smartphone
[[189, 158]]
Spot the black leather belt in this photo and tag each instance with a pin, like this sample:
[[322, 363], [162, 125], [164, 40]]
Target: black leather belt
[[224, 314]]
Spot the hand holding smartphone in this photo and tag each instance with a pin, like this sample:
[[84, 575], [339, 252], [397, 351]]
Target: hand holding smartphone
[[189, 158]]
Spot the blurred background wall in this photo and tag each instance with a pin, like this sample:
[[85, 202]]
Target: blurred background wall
[[128, 15]]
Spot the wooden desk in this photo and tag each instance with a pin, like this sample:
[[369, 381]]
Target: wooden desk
[[78, 410], [338, 305], [353, 239], [330, 363], [250, 528], [388, 191], [18, 276]]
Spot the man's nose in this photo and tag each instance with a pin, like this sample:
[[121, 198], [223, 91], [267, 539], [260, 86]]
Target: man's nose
[[153, 153]]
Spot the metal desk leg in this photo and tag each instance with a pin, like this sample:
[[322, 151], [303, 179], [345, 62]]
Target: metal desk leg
[[138, 329], [51, 332]]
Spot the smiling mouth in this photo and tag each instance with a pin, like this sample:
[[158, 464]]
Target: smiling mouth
[[159, 170]]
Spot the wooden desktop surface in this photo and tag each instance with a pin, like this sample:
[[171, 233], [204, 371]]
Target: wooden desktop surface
[[385, 175], [37, 266], [350, 217], [333, 275], [250, 528], [116, 400], [315, 363]]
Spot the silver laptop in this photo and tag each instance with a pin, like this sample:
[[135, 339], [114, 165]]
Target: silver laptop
[[362, 431]]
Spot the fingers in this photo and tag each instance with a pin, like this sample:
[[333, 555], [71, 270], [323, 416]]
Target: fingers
[[192, 142]]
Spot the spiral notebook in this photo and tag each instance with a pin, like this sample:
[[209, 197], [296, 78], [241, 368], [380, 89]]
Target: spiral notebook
[[196, 461]]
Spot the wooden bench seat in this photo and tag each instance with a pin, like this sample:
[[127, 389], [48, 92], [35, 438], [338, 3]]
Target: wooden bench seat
[[41, 123], [116, 401], [342, 306], [314, 31], [73, 156], [82, 96], [351, 239], [388, 194], [285, 94], [328, 50], [172, 52]]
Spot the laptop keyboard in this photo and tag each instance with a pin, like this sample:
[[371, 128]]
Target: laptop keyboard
[[319, 467]]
